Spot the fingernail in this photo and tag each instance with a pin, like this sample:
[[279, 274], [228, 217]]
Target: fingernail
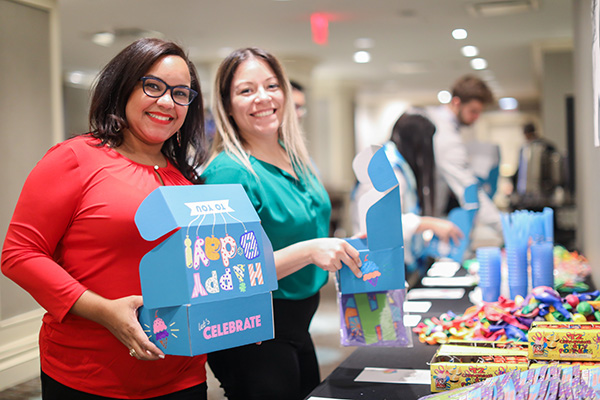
[[161, 356]]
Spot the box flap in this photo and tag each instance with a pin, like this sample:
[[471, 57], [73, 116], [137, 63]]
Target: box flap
[[170, 207], [384, 222]]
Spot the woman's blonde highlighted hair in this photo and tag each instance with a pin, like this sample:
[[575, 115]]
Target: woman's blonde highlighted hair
[[228, 136]]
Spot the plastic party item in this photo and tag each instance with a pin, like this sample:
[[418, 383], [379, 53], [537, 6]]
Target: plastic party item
[[516, 260], [572, 300], [542, 264], [551, 297], [506, 319], [489, 259], [515, 229], [584, 308], [375, 319]]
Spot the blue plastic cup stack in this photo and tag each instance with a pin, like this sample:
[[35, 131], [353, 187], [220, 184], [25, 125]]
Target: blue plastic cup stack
[[542, 248], [542, 264], [515, 228], [516, 261], [490, 278]]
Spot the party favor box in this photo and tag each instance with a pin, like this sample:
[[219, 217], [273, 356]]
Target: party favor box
[[382, 251], [564, 341], [207, 284], [455, 366]]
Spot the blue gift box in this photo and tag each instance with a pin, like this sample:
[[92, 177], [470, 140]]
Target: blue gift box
[[382, 251], [207, 284]]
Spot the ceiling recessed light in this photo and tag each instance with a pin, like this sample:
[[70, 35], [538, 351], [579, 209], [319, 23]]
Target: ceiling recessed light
[[80, 79], [478, 63], [469, 51], [362, 57], [459, 34], [75, 77], [444, 96], [508, 103]]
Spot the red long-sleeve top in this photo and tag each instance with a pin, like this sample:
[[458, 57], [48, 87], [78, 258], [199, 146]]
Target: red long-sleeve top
[[73, 229]]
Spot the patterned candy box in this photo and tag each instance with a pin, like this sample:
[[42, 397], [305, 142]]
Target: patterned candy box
[[455, 366], [564, 341], [207, 284]]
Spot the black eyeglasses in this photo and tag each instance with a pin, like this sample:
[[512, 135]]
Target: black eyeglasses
[[156, 87]]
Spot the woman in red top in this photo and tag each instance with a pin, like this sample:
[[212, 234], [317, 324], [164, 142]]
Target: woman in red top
[[73, 244]]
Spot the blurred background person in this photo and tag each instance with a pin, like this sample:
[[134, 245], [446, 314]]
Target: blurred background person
[[410, 152], [470, 96], [78, 253], [539, 174], [299, 97], [259, 144]]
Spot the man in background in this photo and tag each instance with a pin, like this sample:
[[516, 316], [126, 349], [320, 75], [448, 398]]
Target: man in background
[[299, 99], [539, 173], [470, 96]]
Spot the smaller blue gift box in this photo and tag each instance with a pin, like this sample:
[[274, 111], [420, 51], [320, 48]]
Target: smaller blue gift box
[[382, 252]]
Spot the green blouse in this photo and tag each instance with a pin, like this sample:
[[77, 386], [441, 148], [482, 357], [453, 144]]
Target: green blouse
[[290, 210]]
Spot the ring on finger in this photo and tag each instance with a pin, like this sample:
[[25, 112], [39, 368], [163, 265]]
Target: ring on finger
[[132, 352]]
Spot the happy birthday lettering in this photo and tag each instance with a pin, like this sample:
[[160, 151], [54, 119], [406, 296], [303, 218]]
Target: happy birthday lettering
[[215, 284], [224, 249]]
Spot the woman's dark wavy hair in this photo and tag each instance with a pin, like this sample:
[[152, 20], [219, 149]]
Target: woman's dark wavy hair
[[413, 136], [116, 82]]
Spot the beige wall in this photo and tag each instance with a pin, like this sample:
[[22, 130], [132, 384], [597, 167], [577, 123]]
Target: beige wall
[[557, 85], [31, 122]]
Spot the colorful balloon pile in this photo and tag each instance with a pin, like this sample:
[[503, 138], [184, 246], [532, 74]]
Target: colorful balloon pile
[[510, 319], [570, 270]]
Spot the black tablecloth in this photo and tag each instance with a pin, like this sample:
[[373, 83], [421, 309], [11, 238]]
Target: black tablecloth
[[340, 383]]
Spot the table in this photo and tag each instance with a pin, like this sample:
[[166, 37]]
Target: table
[[340, 383]]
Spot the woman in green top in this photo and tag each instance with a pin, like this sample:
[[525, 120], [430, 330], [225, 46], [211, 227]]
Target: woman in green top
[[259, 144]]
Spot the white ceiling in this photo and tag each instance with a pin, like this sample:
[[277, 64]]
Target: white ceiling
[[413, 51]]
